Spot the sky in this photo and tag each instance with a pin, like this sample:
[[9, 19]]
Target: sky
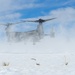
[[18, 10]]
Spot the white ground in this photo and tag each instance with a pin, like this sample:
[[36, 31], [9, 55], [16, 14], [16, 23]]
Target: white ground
[[52, 56]]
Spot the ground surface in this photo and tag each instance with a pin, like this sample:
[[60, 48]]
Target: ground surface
[[49, 57]]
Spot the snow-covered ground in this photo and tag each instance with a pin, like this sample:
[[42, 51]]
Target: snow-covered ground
[[50, 56]]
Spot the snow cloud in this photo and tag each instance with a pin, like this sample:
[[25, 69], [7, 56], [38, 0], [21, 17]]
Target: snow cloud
[[65, 19], [64, 23]]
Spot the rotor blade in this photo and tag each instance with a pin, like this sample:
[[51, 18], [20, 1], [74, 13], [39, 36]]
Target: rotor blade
[[16, 23], [2, 24], [50, 19], [7, 24], [11, 23], [30, 21]]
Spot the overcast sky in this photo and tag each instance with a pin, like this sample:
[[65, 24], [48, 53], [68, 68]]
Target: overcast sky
[[17, 10]]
